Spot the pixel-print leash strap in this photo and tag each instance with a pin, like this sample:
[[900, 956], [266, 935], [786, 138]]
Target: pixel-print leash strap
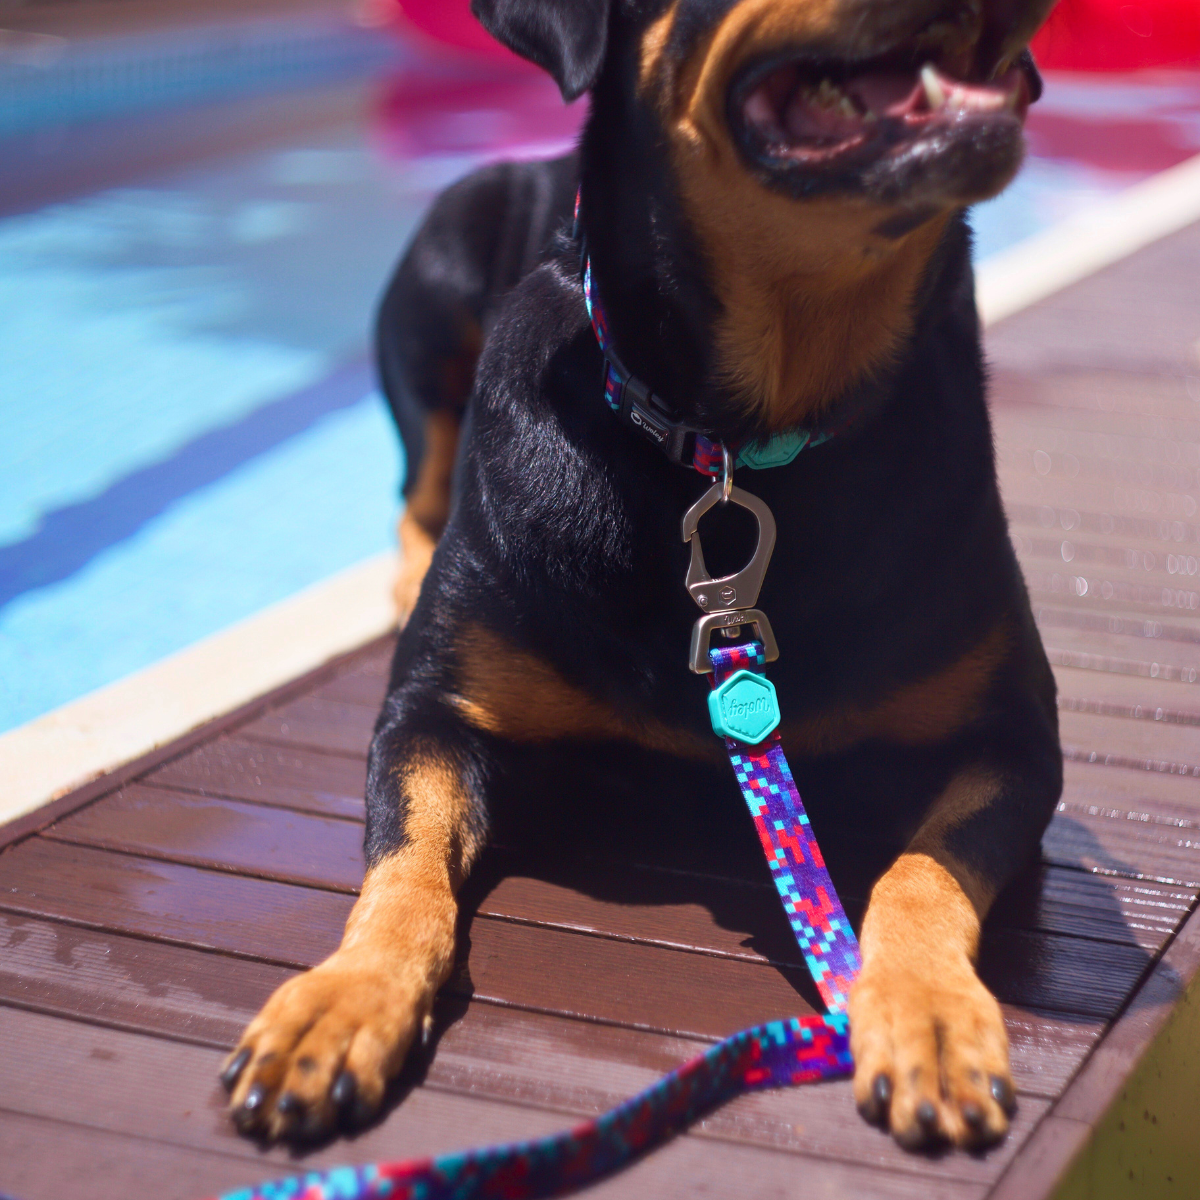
[[777, 1054]]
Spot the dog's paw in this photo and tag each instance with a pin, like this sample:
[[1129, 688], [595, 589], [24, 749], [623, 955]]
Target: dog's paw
[[321, 1053], [931, 1055]]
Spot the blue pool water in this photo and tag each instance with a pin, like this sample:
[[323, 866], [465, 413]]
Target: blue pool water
[[188, 269]]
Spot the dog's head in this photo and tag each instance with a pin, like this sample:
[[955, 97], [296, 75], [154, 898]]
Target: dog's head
[[817, 149]]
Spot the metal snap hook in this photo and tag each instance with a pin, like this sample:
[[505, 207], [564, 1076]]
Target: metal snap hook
[[741, 589], [728, 603]]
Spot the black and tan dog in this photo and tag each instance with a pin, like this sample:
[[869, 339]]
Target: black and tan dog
[[773, 196]]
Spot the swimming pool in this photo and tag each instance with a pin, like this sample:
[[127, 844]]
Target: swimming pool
[[194, 229]]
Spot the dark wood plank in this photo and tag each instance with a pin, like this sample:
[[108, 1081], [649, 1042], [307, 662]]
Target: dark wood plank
[[52, 1160], [250, 839], [1138, 314], [532, 967], [291, 926], [329, 725], [364, 687], [163, 989], [1034, 1173], [168, 1093], [1103, 398], [1099, 644], [1134, 697], [721, 916], [1154, 795], [1124, 741], [1153, 1024], [327, 784], [1101, 1080], [1124, 844], [131, 983], [30, 823], [1079, 904]]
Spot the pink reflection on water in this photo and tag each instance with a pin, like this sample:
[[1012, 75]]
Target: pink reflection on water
[[517, 114]]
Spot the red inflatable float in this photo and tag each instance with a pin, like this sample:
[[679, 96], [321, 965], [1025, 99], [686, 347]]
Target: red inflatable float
[[1120, 35], [1081, 35]]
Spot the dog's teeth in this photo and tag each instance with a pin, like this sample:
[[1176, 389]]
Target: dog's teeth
[[846, 107], [934, 92]]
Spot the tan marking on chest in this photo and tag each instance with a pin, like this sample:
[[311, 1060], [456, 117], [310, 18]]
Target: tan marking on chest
[[917, 714], [516, 695], [814, 299]]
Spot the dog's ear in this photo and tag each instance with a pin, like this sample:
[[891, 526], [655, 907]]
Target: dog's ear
[[568, 38]]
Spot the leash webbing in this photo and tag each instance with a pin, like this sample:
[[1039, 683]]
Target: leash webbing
[[778, 1054], [810, 900]]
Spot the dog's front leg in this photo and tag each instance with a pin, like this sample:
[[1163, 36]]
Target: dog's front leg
[[326, 1044], [929, 1042]]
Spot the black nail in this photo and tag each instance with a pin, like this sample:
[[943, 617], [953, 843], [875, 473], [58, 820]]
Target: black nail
[[1002, 1093], [229, 1076], [289, 1105], [973, 1115], [342, 1093], [927, 1116], [246, 1115]]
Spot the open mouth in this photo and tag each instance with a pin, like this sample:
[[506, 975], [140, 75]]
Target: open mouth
[[802, 113]]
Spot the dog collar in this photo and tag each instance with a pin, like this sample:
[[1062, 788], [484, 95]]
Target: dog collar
[[638, 407]]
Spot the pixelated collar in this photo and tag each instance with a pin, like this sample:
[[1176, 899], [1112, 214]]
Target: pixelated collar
[[642, 410]]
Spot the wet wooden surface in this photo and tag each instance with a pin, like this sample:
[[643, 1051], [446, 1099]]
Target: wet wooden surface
[[141, 930]]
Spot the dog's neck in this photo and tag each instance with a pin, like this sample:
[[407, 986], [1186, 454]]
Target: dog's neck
[[734, 336]]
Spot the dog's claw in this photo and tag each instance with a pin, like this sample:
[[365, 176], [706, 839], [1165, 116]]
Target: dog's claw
[[974, 1116], [342, 1093], [927, 1117], [289, 1105], [247, 1115], [875, 1108], [1002, 1093], [233, 1069]]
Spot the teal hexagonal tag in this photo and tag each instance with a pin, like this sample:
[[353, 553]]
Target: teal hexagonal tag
[[744, 707]]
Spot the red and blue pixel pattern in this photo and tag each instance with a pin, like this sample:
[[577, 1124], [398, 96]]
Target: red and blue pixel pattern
[[826, 938], [799, 1050]]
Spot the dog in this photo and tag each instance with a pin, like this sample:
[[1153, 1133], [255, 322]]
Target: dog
[[771, 203]]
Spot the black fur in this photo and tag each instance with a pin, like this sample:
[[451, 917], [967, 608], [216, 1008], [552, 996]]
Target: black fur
[[893, 557]]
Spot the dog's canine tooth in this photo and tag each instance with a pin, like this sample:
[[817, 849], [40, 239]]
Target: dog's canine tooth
[[934, 92]]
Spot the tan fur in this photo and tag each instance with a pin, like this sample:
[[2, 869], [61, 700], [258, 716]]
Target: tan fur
[[918, 714], [814, 300], [918, 1013], [514, 695], [362, 1007], [427, 510]]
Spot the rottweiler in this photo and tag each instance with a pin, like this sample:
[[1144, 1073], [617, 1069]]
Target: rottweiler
[[771, 206]]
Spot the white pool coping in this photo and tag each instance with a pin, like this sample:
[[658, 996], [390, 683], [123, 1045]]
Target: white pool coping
[[65, 749], [54, 754]]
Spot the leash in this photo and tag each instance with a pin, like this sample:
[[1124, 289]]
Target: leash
[[744, 711], [783, 1053]]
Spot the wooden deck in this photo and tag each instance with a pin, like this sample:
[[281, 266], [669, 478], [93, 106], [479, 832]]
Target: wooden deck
[[144, 920]]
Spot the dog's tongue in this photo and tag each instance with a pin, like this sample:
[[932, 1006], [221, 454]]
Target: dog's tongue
[[889, 94], [828, 113], [787, 109]]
